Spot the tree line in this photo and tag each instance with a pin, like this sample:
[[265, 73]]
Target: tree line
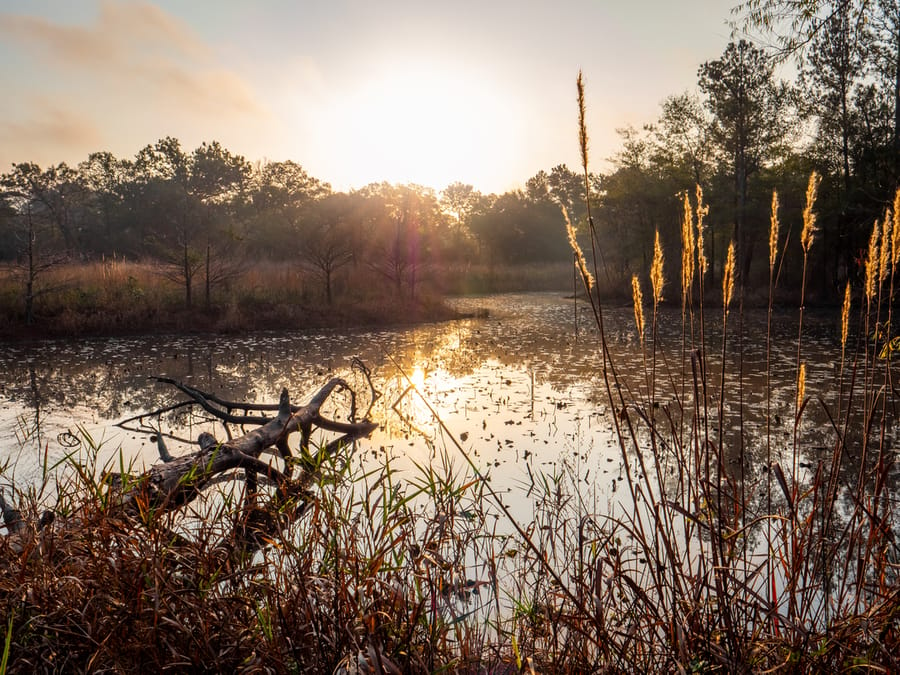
[[745, 132], [202, 214]]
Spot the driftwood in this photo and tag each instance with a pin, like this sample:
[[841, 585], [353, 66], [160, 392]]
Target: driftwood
[[178, 480]]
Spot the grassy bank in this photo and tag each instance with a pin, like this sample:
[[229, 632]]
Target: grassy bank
[[122, 297]]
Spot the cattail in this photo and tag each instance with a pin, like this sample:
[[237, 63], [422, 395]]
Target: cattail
[[728, 278], [656, 272], [773, 232], [701, 212], [687, 250], [809, 218], [801, 385], [582, 126], [872, 262], [638, 307], [845, 317], [885, 258], [580, 261]]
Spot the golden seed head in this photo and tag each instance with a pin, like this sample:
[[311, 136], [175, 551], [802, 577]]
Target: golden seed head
[[638, 306], [580, 262], [656, 271], [773, 232], [845, 317], [809, 217], [728, 278], [872, 261], [687, 249], [885, 258], [701, 212], [801, 385], [582, 125]]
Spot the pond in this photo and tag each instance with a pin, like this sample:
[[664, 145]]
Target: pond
[[520, 388]]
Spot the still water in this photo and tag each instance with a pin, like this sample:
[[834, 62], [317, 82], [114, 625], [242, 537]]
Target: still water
[[521, 388]]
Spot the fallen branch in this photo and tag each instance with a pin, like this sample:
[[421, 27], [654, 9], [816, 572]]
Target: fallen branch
[[177, 480]]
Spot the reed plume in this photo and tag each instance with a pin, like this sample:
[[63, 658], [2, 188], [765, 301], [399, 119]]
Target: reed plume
[[701, 211], [638, 298], [884, 260], [580, 261], [773, 232], [582, 126], [728, 278], [809, 217], [801, 386], [872, 261], [687, 250], [845, 318], [657, 280]]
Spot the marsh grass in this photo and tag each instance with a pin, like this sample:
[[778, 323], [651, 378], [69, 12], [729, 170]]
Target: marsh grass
[[711, 578], [115, 297], [378, 573]]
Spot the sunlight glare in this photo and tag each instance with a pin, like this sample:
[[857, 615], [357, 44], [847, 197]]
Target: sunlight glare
[[429, 125], [418, 377]]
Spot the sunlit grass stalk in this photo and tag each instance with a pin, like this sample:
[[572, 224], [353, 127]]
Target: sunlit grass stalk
[[702, 416], [774, 227], [657, 282], [873, 297], [610, 376], [688, 255], [807, 235], [885, 265], [717, 533]]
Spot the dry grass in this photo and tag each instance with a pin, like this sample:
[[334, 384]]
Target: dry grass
[[117, 297]]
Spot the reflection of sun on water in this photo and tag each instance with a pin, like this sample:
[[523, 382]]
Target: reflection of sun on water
[[418, 394], [418, 377]]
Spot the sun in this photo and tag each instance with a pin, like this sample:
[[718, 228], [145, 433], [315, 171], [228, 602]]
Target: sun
[[421, 124]]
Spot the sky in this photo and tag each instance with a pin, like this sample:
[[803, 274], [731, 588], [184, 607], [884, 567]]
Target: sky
[[356, 91]]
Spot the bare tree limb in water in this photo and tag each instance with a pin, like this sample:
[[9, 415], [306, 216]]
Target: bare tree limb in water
[[180, 479]]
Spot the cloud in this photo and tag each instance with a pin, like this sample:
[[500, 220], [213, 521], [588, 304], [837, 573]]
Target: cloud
[[49, 125], [122, 32], [138, 49]]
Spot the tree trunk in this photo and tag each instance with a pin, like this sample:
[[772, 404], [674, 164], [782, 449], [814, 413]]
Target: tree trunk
[[208, 296], [32, 272], [188, 277]]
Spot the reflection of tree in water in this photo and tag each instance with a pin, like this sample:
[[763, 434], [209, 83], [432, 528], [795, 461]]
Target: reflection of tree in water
[[30, 422], [524, 337]]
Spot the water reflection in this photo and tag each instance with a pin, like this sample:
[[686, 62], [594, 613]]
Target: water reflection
[[521, 390]]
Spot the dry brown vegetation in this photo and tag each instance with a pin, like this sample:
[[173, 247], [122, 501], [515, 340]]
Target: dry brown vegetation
[[115, 297]]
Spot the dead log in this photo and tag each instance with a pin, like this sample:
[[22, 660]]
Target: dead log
[[178, 480]]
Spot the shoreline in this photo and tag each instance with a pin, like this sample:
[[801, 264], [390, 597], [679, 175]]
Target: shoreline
[[222, 321]]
